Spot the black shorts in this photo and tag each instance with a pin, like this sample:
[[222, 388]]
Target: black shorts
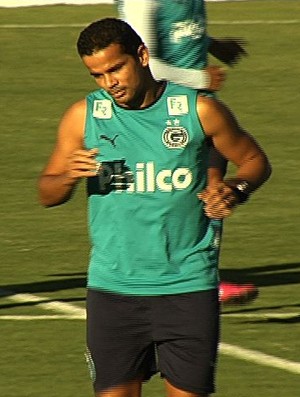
[[133, 337]]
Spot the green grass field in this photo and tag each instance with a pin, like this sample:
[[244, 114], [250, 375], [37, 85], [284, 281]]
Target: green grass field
[[44, 253]]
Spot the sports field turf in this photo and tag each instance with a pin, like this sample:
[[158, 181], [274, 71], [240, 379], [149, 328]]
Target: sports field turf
[[44, 253]]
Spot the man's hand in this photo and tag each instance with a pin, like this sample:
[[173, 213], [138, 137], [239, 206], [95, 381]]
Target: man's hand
[[56, 185], [219, 200], [82, 164], [228, 50], [216, 77]]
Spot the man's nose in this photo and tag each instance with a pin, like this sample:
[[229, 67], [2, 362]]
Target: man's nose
[[110, 81]]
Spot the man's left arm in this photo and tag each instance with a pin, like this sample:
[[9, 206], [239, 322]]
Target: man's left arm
[[238, 147]]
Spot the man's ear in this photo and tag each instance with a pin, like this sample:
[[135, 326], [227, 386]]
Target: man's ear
[[143, 55]]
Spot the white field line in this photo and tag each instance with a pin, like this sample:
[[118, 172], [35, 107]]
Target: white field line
[[267, 316], [80, 25], [71, 312], [68, 309], [259, 358], [256, 22], [43, 317], [57, 306], [43, 26], [80, 315]]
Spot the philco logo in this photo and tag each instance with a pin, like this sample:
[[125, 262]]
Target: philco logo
[[102, 109], [116, 176], [148, 180]]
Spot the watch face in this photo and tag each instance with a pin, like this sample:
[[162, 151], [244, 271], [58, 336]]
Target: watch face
[[242, 186]]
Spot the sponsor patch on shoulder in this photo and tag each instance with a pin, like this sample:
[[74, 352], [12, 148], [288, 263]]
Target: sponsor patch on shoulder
[[102, 109], [178, 105]]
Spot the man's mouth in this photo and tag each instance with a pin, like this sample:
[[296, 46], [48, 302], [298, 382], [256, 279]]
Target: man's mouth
[[117, 94]]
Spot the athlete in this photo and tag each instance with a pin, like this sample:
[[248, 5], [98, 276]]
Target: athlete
[[176, 34], [152, 300]]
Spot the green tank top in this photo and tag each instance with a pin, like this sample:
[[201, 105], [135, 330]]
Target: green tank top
[[148, 230]]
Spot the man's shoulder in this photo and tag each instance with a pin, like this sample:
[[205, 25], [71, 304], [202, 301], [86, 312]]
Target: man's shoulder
[[78, 107], [213, 112], [180, 88], [96, 94], [208, 101]]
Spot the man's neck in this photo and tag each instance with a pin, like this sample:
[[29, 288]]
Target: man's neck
[[150, 95]]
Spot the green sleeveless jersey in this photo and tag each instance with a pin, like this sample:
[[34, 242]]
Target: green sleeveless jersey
[[180, 29], [148, 230]]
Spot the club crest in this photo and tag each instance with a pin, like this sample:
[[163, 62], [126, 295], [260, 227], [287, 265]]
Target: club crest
[[175, 137]]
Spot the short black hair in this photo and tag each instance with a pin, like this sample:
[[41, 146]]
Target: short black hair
[[100, 34]]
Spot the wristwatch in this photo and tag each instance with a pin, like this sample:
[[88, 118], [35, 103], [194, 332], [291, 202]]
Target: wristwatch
[[242, 190]]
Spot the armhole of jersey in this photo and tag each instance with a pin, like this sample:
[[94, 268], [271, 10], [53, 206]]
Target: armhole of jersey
[[87, 117], [197, 117]]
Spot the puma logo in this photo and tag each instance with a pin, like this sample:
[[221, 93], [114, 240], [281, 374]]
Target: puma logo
[[111, 140]]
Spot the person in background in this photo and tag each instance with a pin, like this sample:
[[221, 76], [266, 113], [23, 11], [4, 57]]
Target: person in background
[[142, 145], [176, 34]]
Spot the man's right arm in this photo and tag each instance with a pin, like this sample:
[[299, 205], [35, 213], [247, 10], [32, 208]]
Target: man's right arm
[[69, 161]]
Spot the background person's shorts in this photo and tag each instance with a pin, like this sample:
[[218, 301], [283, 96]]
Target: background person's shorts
[[132, 337]]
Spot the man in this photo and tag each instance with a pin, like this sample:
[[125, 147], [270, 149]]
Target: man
[[152, 279], [176, 34]]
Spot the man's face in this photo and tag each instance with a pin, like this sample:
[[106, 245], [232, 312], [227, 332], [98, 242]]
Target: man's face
[[119, 74]]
